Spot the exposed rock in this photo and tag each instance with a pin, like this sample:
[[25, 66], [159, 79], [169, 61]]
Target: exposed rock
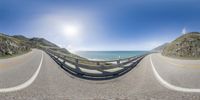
[[186, 46], [10, 45]]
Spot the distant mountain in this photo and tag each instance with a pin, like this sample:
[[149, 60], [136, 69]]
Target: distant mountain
[[186, 46], [21, 37], [42, 41], [10, 45], [159, 48]]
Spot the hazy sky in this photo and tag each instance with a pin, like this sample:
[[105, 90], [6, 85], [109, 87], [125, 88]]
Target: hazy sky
[[101, 24]]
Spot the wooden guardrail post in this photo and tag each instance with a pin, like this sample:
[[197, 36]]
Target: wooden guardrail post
[[98, 63], [63, 62], [118, 62], [76, 61]]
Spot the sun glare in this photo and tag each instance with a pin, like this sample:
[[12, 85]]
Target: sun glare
[[71, 30]]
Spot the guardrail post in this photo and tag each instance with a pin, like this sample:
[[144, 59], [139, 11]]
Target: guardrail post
[[98, 63], [118, 62], [76, 61], [63, 62]]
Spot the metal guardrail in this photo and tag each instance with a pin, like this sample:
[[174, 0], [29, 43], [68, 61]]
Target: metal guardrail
[[95, 70]]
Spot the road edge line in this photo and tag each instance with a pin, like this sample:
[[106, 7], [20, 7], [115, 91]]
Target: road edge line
[[168, 85], [25, 84]]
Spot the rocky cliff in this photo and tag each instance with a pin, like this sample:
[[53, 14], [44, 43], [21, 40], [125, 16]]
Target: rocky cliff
[[11, 45], [186, 46]]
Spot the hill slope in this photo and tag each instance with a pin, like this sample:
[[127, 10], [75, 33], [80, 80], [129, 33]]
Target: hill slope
[[159, 48], [42, 41], [186, 46], [11, 45]]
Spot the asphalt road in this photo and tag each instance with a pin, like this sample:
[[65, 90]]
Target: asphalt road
[[35, 76]]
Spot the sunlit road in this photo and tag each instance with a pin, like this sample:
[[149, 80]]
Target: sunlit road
[[182, 75], [154, 77]]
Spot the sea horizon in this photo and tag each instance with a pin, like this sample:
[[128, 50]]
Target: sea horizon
[[109, 55]]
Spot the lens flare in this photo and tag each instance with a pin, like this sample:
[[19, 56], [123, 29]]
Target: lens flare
[[71, 30]]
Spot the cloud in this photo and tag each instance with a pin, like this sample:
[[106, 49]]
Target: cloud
[[184, 31]]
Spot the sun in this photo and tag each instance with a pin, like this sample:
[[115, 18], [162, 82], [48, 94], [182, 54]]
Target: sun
[[71, 30]]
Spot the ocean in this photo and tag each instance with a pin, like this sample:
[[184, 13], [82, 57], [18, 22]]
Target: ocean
[[109, 55]]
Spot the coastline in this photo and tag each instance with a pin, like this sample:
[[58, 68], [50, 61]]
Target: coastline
[[109, 55]]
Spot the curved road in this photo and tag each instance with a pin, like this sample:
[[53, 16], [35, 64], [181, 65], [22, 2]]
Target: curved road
[[141, 83]]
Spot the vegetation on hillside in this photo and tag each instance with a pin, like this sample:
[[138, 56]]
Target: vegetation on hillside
[[17, 44], [186, 46], [12, 46]]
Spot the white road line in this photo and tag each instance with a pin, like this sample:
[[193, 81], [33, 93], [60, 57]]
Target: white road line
[[25, 84], [168, 85]]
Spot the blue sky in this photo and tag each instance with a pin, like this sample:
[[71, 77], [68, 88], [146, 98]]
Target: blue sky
[[101, 24]]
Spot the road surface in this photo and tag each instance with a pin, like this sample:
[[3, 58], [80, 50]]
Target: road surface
[[35, 76]]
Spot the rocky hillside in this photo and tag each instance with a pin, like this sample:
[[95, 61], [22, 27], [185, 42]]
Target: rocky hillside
[[11, 45], [186, 46], [159, 48]]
